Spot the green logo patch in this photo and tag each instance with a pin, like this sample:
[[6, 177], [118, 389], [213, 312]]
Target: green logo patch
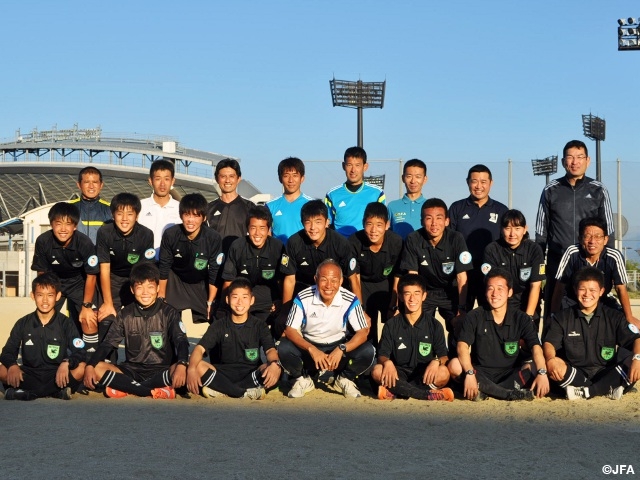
[[607, 353], [511, 348], [387, 271], [424, 349], [251, 354], [268, 274], [53, 351], [156, 340], [133, 258], [200, 263]]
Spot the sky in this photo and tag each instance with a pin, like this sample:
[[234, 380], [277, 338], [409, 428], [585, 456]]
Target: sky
[[467, 82]]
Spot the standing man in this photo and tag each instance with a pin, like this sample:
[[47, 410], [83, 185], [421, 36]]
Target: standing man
[[227, 215], [285, 209], [316, 335], [160, 211], [440, 255], [477, 217], [405, 212], [563, 203], [346, 202], [94, 211]]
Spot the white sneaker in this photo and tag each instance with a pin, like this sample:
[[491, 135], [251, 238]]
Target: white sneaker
[[615, 393], [302, 386], [211, 393], [346, 387], [575, 393], [256, 393]]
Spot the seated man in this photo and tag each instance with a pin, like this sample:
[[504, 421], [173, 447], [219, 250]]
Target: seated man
[[318, 339], [580, 347], [52, 352], [155, 344], [236, 339], [593, 251], [495, 332], [413, 354]]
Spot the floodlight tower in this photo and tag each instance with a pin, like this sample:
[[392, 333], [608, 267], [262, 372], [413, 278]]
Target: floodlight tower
[[545, 166], [358, 95], [628, 34], [594, 128]]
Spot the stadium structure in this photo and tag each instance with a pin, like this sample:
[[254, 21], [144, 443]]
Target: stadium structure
[[40, 168]]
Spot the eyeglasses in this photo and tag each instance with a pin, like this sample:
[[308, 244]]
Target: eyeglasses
[[593, 237], [570, 158]]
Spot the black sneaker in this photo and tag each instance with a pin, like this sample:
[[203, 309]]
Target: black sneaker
[[63, 394], [515, 395], [19, 394]]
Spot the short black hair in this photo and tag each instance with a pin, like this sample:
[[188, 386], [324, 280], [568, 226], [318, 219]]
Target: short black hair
[[227, 163], [479, 168], [575, 144], [89, 171], [141, 272], [62, 210], [514, 218], [355, 152], [414, 162], [193, 203], [124, 200], [592, 222], [375, 210], [588, 274], [411, 280], [48, 279], [313, 208], [239, 282], [260, 212], [162, 164], [434, 203], [501, 273], [290, 163]]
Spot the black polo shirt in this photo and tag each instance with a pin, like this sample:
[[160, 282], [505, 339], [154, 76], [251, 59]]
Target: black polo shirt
[[611, 264], [378, 266], [71, 264], [302, 257], [438, 265], [43, 346], [237, 344], [193, 261], [496, 347], [525, 263], [261, 266], [479, 225], [123, 252], [590, 346], [229, 219], [409, 345]]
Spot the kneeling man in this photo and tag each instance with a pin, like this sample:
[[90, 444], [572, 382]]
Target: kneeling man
[[495, 332], [580, 347], [413, 354], [318, 335]]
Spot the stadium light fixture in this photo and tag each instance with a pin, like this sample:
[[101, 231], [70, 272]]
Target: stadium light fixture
[[628, 34], [358, 95], [545, 166], [595, 129]]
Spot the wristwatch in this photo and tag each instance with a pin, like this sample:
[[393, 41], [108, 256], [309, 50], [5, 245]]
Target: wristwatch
[[470, 372], [636, 356], [542, 371], [343, 347], [183, 362], [87, 305]]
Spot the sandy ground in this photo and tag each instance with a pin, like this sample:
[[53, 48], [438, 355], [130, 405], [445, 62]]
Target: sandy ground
[[320, 436]]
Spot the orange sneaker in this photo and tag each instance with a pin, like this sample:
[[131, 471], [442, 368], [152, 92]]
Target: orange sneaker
[[384, 394], [113, 393], [444, 394], [165, 393]]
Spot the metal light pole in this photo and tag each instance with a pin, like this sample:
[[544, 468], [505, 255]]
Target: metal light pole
[[357, 95], [594, 128], [545, 166]]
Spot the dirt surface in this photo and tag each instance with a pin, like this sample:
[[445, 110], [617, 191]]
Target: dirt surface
[[320, 436]]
